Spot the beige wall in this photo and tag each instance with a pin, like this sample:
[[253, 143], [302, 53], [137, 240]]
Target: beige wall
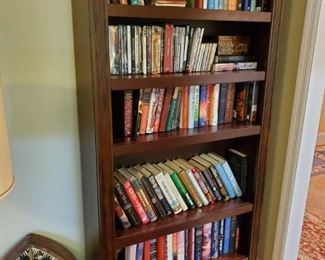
[[37, 70], [290, 40]]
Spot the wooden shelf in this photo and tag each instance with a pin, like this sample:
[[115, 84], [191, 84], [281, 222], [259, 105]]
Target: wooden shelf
[[125, 82], [232, 256], [190, 14], [185, 220], [181, 137]]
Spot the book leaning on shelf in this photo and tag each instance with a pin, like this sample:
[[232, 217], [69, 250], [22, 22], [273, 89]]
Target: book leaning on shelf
[[148, 111], [207, 241], [145, 193]]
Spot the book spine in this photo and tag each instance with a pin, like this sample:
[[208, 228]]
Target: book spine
[[203, 106], [143, 199], [152, 110], [161, 248], [233, 5], [128, 112], [214, 104], [196, 105], [221, 4], [226, 236], [153, 197], [145, 110], [114, 47], [214, 239], [121, 214], [212, 184], [221, 187], [136, 50], [167, 48], [182, 190], [176, 193], [225, 4], [209, 194], [130, 252], [185, 107], [230, 96], [175, 246], [191, 107], [186, 245], [163, 201], [197, 187], [232, 179], [165, 109], [153, 249], [253, 111], [191, 243], [222, 103], [206, 241], [129, 49], [198, 242], [190, 188], [178, 109], [172, 110], [155, 50], [139, 252], [159, 109], [253, 6], [232, 240], [181, 245], [149, 49], [173, 202], [144, 50], [126, 204], [161, 49], [133, 49], [169, 247], [233, 58], [245, 5], [186, 46], [210, 4], [202, 185], [136, 202], [220, 239], [226, 182]]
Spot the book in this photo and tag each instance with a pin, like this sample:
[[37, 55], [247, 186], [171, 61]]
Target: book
[[163, 201], [172, 110], [181, 245], [125, 203], [226, 235], [214, 239], [238, 163], [139, 252], [130, 252], [184, 109], [161, 248], [249, 65], [165, 109], [144, 109], [222, 103], [175, 245], [136, 116], [159, 109], [190, 116], [214, 104], [234, 44], [240, 101], [206, 241], [169, 247], [230, 96], [203, 106], [121, 214], [198, 242], [114, 48], [152, 110], [196, 105], [155, 41], [146, 250], [253, 98], [128, 112], [168, 64], [178, 109], [220, 238], [233, 58], [153, 249], [191, 243], [136, 185], [233, 231]]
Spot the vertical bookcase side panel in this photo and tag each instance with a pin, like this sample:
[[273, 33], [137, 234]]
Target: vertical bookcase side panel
[[277, 6]]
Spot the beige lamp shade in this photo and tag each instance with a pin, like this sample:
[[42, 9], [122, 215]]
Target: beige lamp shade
[[6, 175]]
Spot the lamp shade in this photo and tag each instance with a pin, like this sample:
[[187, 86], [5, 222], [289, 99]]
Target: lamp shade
[[6, 174]]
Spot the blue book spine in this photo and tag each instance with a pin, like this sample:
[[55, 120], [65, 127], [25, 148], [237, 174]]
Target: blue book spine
[[203, 106], [139, 252], [222, 103], [210, 4], [214, 239], [198, 242], [190, 117], [216, 4], [226, 235], [221, 4], [253, 6], [225, 180], [246, 5], [232, 179]]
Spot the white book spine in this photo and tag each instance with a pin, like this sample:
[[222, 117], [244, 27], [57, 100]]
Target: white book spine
[[169, 247], [136, 48], [190, 118], [214, 105], [130, 252], [144, 50], [197, 187], [172, 201], [181, 245], [176, 193], [232, 179], [152, 110], [129, 51]]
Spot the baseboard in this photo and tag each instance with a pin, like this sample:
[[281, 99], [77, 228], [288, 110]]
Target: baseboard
[[320, 139]]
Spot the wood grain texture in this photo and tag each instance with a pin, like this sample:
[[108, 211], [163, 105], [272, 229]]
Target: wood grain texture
[[182, 79], [182, 221], [176, 13]]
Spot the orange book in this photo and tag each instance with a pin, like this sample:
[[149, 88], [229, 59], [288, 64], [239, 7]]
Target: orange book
[[232, 5], [161, 248], [208, 108], [146, 250], [175, 246], [145, 110], [185, 107]]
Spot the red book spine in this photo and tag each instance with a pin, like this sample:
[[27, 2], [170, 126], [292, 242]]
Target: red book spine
[[165, 109], [168, 48], [135, 202], [146, 250], [185, 107], [159, 109], [230, 102], [199, 4], [161, 248], [209, 96], [191, 242]]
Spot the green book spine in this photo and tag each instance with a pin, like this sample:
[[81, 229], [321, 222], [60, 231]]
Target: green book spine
[[172, 110], [182, 190]]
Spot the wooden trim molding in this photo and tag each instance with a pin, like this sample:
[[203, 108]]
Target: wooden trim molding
[[296, 127]]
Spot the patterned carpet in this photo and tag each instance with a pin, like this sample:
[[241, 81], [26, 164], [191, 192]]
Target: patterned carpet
[[312, 243]]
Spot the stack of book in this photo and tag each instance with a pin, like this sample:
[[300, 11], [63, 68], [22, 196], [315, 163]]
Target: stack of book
[[145, 193], [156, 49], [206, 241], [233, 5], [152, 110], [233, 54]]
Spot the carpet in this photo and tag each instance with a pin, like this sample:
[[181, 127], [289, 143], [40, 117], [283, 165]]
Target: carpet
[[318, 163]]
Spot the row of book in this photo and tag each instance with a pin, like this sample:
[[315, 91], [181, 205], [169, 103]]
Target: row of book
[[170, 49], [204, 242], [233, 5], [146, 193], [148, 111]]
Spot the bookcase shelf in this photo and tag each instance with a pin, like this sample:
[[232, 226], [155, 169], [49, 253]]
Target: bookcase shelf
[[159, 141], [125, 82], [177, 13], [185, 220]]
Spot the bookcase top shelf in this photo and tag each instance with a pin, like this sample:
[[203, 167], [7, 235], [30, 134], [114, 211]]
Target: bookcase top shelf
[[185, 220], [124, 82], [190, 14], [181, 137]]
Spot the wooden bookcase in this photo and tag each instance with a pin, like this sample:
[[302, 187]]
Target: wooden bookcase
[[100, 153]]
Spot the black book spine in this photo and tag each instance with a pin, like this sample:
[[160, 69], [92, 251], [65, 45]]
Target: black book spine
[[212, 184], [163, 201], [126, 204], [133, 48], [233, 231], [135, 114], [221, 188], [221, 233], [198, 242], [153, 197]]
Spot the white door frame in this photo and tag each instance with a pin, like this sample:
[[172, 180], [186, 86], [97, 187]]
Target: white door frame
[[308, 98]]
